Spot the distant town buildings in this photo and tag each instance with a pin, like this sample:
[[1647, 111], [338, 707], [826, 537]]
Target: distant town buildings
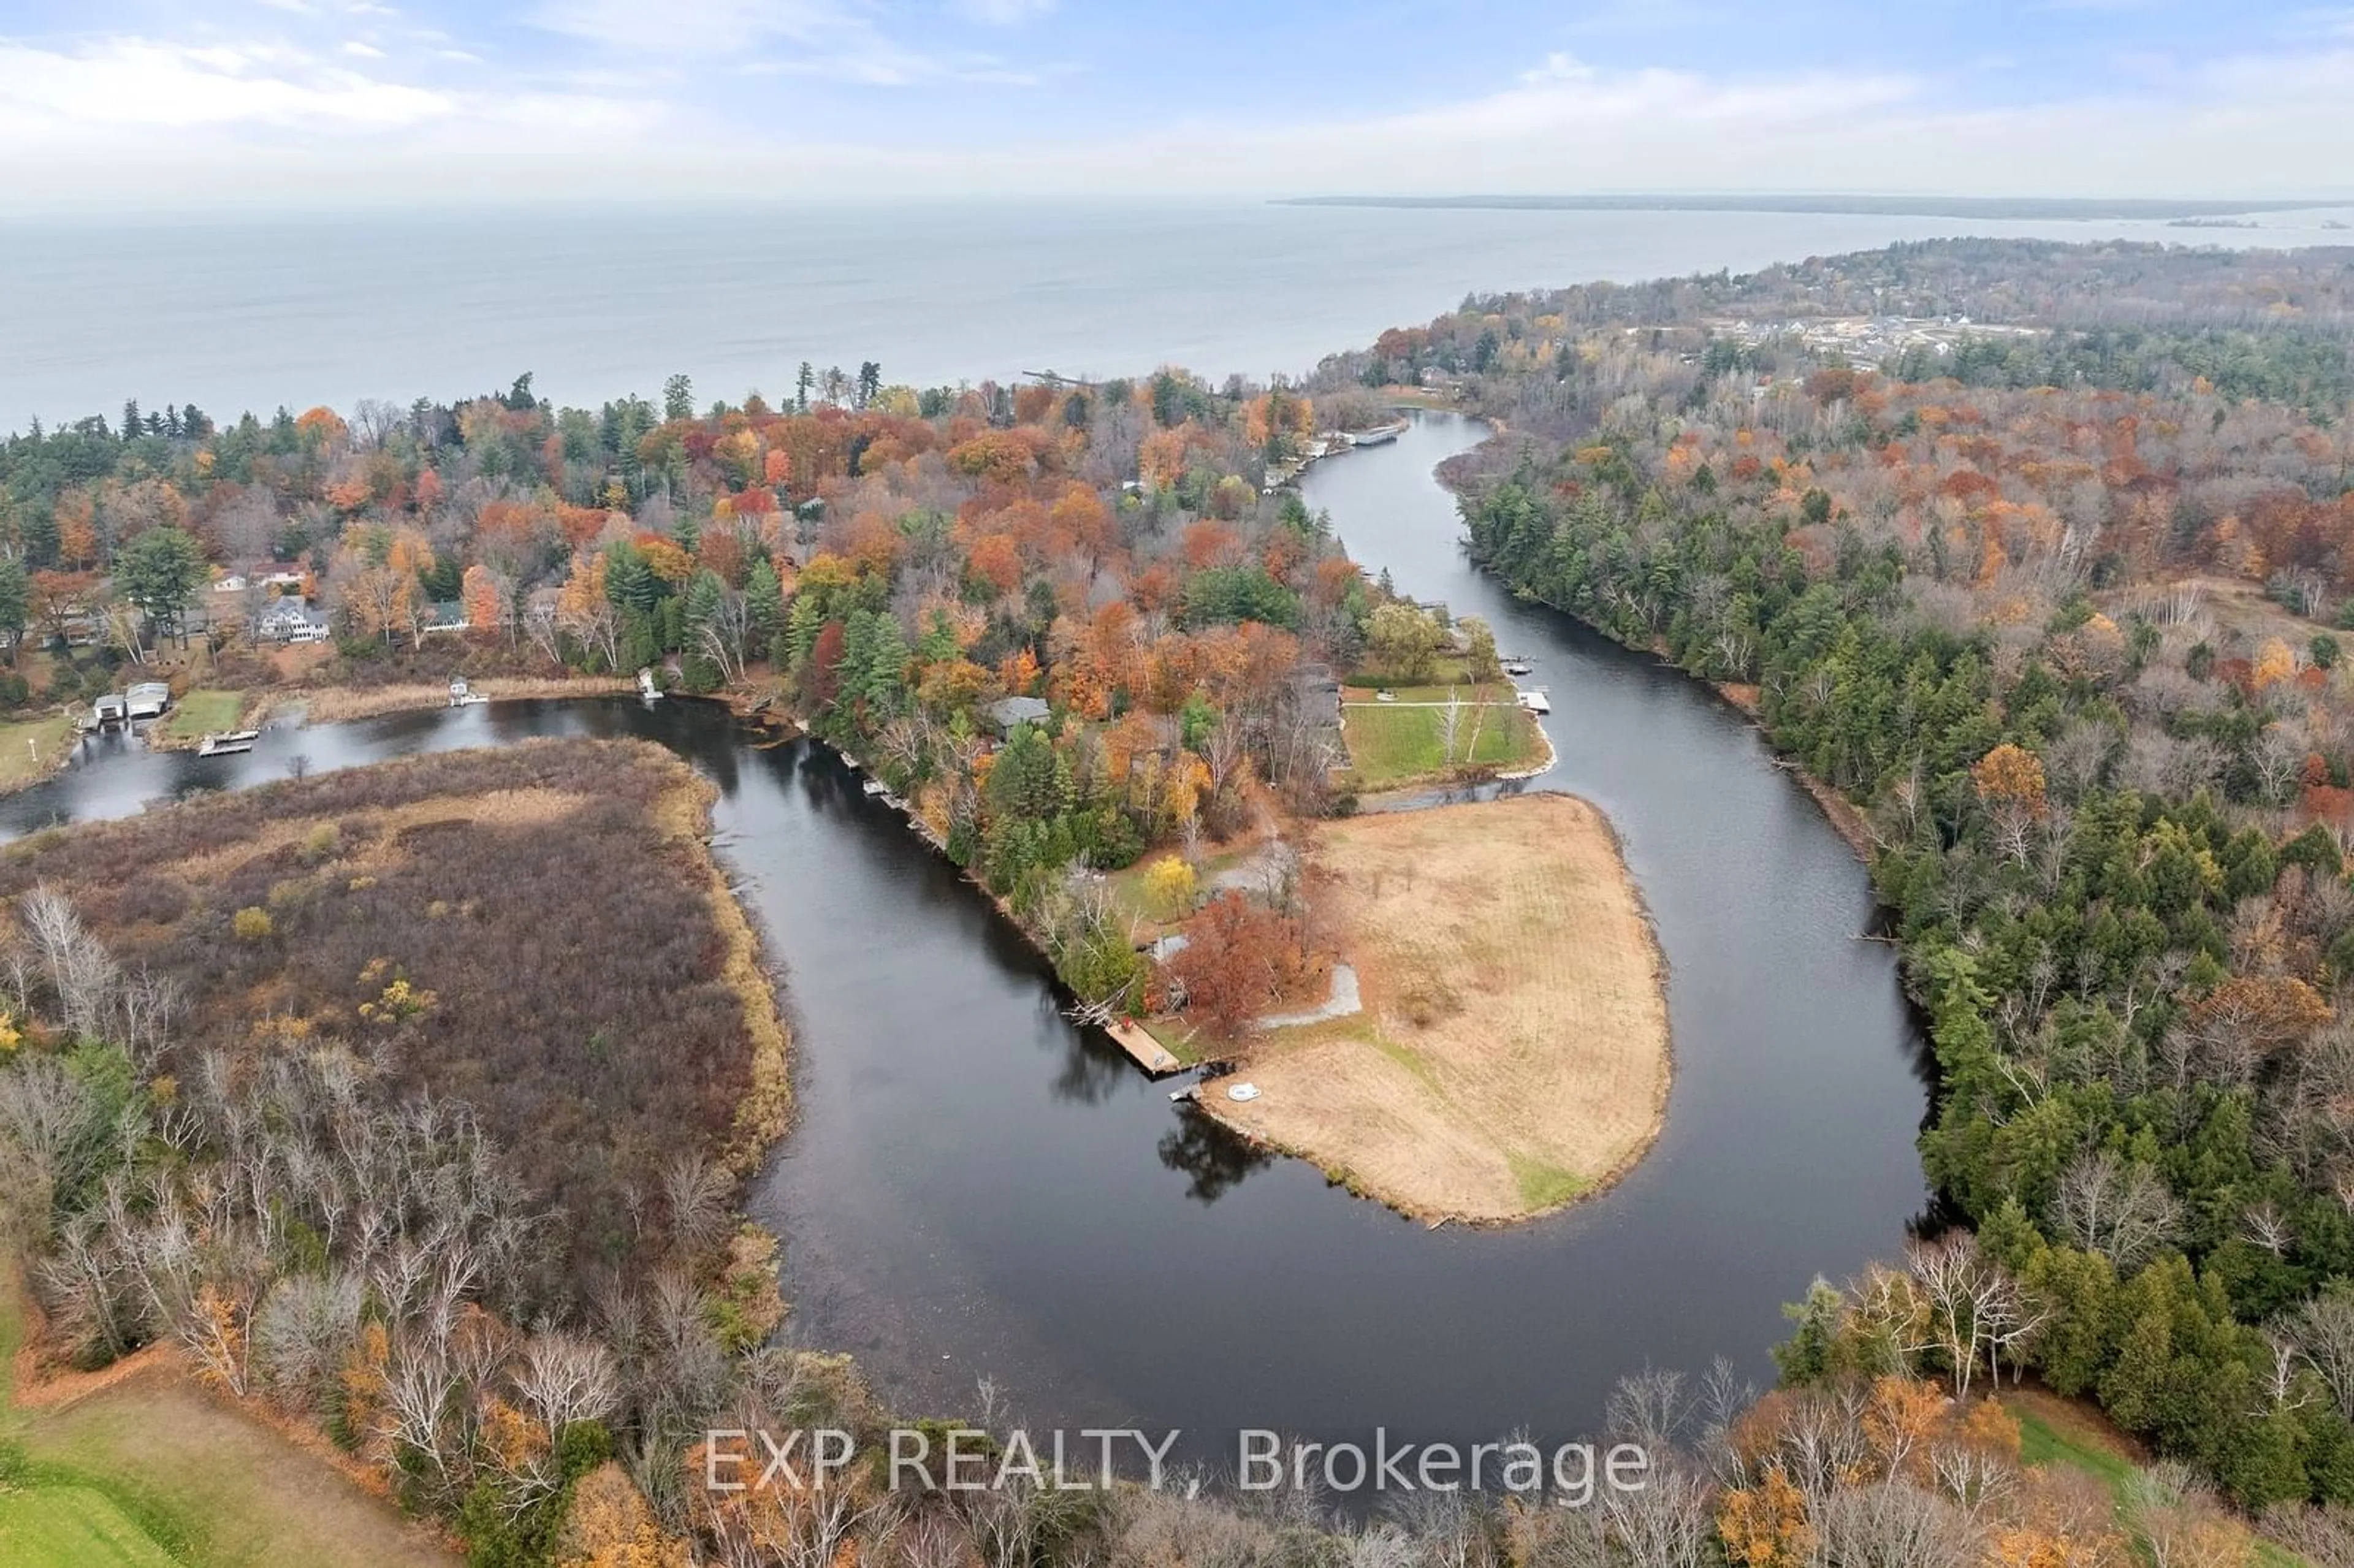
[[1867, 343]]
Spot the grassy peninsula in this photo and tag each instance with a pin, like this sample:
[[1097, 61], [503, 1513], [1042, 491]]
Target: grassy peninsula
[[1512, 1051]]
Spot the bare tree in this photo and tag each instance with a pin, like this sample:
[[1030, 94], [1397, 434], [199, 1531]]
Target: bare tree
[[81, 973], [1894, 1524], [1648, 1409], [1668, 1523], [2323, 1534], [698, 1193], [1975, 1309], [564, 1378], [302, 1331], [2322, 1329], [2119, 1208], [373, 419], [54, 1134]]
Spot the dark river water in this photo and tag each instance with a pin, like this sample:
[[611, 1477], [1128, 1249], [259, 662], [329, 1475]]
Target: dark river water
[[977, 1189]]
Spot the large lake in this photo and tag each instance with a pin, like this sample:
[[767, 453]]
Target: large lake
[[978, 1188], [252, 314]]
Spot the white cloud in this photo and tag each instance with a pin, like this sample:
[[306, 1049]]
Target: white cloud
[[2328, 21], [1000, 12], [839, 38], [1559, 66], [2254, 125], [121, 90], [133, 84]]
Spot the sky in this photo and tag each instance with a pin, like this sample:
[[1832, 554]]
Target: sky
[[375, 104]]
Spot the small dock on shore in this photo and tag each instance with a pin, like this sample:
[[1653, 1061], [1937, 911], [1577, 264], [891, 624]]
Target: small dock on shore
[[1150, 1054]]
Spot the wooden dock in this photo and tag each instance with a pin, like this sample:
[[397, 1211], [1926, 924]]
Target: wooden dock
[[1150, 1054]]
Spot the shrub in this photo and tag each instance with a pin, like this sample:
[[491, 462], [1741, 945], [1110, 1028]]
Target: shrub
[[250, 924]]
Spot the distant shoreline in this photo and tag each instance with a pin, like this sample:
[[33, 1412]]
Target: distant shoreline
[[2088, 208]]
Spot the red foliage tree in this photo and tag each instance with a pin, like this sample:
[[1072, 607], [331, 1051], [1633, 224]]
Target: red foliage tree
[[1239, 959]]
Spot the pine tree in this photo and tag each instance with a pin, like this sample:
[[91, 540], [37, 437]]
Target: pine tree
[[887, 669], [764, 599]]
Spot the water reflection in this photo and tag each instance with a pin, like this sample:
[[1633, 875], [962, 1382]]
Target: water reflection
[[1213, 1158]]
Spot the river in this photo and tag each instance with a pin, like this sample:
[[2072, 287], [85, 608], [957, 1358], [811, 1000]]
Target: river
[[978, 1189]]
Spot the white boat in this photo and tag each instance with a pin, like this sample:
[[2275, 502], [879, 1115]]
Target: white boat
[[1536, 702], [876, 787], [1520, 667]]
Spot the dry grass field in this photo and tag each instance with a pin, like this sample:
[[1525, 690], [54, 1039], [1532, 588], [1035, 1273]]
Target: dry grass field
[[1513, 1054]]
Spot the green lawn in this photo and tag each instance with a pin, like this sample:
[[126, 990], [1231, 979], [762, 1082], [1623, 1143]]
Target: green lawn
[[52, 1513], [151, 1472], [31, 749], [67, 1526], [200, 714], [1176, 1037], [1131, 897], [2042, 1443], [1395, 743], [1446, 670]]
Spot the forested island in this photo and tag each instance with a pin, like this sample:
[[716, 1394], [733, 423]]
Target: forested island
[[2030, 555]]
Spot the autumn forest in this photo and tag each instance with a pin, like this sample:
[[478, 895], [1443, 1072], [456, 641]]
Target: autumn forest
[[2036, 561]]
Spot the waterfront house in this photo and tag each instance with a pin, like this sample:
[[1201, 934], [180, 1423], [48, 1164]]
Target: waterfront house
[[290, 621], [1008, 711], [443, 615]]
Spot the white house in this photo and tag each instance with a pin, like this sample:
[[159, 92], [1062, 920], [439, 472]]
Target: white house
[[291, 620]]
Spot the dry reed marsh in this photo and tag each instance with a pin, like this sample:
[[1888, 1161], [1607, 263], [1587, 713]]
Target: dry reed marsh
[[538, 929]]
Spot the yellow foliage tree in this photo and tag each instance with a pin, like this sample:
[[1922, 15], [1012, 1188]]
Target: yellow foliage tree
[[1169, 881], [2274, 663], [610, 1525], [2010, 777], [1765, 1526]]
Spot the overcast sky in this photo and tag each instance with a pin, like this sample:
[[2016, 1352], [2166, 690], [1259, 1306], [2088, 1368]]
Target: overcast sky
[[350, 103]]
